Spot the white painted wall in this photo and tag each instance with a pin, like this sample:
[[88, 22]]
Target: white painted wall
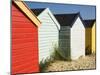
[[77, 39], [48, 34]]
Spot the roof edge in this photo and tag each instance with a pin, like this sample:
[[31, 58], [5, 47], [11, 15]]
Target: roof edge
[[53, 18], [94, 21], [81, 19], [28, 12], [47, 10], [78, 15]]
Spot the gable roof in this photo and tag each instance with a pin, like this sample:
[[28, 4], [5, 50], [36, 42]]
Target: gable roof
[[37, 11], [24, 8], [89, 23], [66, 19]]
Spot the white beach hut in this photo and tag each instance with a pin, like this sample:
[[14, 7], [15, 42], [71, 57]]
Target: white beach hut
[[48, 32], [71, 35]]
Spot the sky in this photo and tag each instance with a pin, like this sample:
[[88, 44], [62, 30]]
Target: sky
[[86, 11]]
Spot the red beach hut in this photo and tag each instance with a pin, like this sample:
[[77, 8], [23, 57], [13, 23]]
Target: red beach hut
[[24, 39]]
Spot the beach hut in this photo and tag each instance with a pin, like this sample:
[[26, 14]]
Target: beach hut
[[90, 36], [71, 35], [24, 39], [48, 32]]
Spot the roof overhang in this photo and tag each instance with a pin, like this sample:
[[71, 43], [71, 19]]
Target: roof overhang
[[78, 15], [24, 8]]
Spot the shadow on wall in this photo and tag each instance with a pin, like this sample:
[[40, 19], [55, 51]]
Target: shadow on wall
[[55, 55], [88, 50]]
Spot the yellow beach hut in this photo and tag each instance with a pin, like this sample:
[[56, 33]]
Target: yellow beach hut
[[90, 35]]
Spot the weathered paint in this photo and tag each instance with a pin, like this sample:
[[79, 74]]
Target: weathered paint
[[24, 43], [77, 39], [94, 38], [48, 34]]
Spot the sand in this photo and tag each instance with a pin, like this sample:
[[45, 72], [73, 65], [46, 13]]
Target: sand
[[83, 63]]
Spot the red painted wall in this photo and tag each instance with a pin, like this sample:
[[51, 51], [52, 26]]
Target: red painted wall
[[24, 43]]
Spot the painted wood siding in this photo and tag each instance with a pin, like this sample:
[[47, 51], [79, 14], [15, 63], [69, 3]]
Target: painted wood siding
[[24, 43], [77, 39], [88, 41], [48, 35], [64, 41], [94, 38]]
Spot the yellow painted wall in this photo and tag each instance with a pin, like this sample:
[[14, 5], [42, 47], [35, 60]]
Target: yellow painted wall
[[94, 38], [88, 41]]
